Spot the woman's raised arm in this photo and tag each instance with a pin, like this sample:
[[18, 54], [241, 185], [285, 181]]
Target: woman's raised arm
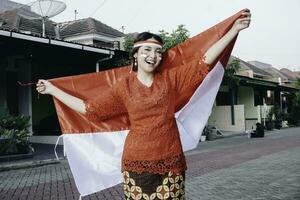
[[77, 104], [216, 49]]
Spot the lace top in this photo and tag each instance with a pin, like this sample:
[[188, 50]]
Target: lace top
[[153, 143]]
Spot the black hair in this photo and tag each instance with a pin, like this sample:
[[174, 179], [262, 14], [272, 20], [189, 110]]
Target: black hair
[[142, 37]]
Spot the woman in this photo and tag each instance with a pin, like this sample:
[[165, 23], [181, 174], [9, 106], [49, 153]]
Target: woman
[[153, 163]]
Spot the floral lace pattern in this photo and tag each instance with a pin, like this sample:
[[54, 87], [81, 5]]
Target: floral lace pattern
[[153, 130], [175, 164], [104, 106]]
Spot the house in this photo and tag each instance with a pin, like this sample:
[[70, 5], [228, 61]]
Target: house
[[91, 32], [275, 74], [15, 20], [87, 31], [292, 76], [239, 108], [84, 46], [26, 56], [9, 5]]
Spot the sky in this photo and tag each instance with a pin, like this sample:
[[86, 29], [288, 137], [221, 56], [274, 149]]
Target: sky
[[273, 36]]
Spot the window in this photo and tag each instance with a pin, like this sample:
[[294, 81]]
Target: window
[[270, 97], [103, 44]]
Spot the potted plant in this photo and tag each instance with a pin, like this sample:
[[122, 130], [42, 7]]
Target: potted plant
[[270, 121], [278, 116]]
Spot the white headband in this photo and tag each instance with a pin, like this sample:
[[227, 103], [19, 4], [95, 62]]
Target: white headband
[[147, 44]]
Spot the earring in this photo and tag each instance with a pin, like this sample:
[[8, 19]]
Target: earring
[[135, 63]]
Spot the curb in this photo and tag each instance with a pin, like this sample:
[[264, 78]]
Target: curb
[[30, 164], [233, 135], [228, 136], [8, 158]]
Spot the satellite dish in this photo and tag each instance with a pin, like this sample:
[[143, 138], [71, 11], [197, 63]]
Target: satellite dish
[[42, 9]]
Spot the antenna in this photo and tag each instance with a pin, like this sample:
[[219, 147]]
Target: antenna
[[42, 9], [75, 12]]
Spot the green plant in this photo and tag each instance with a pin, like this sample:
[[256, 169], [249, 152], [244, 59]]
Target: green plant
[[14, 133], [229, 76], [294, 108], [179, 35], [293, 100], [128, 42], [275, 115]]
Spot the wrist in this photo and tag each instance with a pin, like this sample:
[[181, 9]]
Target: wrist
[[54, 91], [234, 30]]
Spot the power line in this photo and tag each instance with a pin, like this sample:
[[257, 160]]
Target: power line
[[101, 4], [137, 12]]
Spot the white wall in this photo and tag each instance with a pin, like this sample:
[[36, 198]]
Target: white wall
[[252, 113], [246, 98], [88, 39], [221, 117]]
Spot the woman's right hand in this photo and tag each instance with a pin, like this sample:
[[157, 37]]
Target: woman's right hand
[[45, 87]]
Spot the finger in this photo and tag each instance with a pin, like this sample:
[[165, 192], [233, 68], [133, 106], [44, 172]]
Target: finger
[[246, 24], [245, 19], [39, 88], [40, 81], [239, 20], [246, 13], [246, 10], [245, 16]]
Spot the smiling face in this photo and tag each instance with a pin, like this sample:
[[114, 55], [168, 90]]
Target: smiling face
[[149, 56]]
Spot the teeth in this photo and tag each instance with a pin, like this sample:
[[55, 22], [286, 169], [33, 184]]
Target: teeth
[[150, 62]]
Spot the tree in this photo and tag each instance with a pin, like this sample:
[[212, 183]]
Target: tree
[[229, 76], [297, 82], [128, 42], [232, 82], [179, 35], [293, 101]]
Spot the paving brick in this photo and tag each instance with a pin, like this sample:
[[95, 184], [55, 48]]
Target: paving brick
[[236, 168]]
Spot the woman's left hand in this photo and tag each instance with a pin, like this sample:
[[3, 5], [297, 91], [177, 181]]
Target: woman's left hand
[[243, 22]]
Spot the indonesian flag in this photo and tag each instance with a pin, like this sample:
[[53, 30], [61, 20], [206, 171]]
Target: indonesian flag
[[94, 150]]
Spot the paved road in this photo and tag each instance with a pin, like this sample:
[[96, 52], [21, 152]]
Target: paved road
[[228, 169]]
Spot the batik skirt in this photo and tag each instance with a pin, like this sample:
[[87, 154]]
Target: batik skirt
[[148, 186]]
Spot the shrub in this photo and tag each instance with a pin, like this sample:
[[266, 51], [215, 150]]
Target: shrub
[[14, 133]]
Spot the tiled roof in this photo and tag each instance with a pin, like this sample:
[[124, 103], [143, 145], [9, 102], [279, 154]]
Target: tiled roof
[[247, 66], [10, 20], [86, 26], [14, 21], [9, 5], [275, 73], [290, 74]]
